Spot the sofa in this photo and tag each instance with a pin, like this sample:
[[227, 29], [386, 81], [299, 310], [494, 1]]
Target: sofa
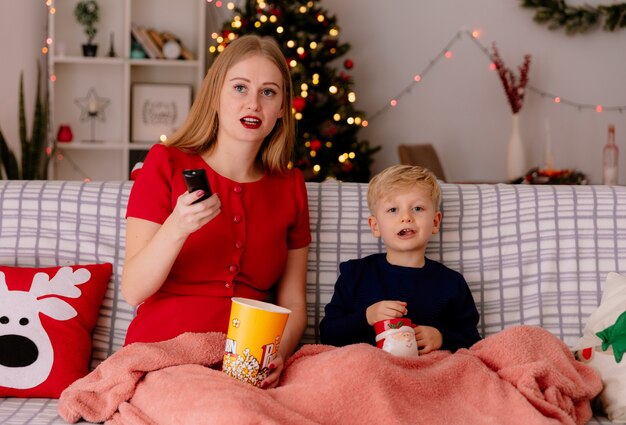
[[533, 255]]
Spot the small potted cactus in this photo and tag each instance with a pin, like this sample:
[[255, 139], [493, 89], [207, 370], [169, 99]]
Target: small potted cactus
[[87, 13]]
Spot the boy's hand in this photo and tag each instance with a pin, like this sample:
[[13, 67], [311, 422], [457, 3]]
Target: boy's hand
[[385, 310], [428, 339]]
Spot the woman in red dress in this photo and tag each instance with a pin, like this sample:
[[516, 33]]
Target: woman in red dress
[[184, 260]]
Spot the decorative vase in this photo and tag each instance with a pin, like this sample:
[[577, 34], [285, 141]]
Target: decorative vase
[[65, 133], [516, 159]]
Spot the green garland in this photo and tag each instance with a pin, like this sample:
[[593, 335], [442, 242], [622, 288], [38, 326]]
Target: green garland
[[556, 14]]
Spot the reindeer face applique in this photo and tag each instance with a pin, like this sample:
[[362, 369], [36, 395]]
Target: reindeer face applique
[[45, 326], [26, 355]]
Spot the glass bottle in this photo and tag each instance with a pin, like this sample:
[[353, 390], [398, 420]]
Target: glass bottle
[[610, 159]]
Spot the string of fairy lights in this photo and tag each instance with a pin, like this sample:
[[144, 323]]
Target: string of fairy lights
[[446, 53], [392, 102]]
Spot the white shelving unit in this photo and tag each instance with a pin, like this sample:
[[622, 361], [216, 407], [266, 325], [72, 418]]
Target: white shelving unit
[[111, 156]]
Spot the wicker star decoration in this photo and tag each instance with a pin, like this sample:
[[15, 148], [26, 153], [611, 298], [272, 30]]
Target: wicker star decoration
[[92, 106]]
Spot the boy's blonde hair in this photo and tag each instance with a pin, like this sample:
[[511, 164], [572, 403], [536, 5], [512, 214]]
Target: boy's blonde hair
[[397, 177], [198, 134]]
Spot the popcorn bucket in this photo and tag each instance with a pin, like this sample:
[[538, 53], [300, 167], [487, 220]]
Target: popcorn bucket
[[383, 327], [254, 333]]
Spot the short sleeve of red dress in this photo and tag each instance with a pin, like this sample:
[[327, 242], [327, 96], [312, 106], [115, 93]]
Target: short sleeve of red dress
[[151, 194], [241, 252]]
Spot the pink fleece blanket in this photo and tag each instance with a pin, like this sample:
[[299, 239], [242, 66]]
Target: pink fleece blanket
[[522, 375]]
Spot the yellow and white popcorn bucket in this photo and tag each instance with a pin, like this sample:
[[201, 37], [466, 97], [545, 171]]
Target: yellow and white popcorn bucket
[[254, 333]]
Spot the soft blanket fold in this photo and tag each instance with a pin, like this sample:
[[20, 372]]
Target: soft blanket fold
[[521, 375]]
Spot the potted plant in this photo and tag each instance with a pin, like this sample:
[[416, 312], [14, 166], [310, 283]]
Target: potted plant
[[87, 13], [36, 152]]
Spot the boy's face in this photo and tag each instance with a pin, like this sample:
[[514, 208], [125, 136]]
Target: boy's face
[[405, 220]]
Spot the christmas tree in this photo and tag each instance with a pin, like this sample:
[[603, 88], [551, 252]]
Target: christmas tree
[[327, 122]]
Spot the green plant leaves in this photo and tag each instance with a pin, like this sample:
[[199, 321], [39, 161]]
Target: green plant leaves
[[35, 159]]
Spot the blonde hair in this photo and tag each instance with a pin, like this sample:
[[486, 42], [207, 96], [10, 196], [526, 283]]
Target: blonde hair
[[198, 134], [397, 177]]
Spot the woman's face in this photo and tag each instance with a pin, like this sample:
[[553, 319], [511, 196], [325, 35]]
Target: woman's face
[[251, 101]]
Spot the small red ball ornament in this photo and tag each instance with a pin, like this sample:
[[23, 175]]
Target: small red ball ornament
[[298, 104], [348, 64], [316, 145]]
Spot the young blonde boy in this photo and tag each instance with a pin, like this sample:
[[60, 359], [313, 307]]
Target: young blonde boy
[[404, 203]]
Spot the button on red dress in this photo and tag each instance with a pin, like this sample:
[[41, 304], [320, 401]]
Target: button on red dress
[[242, 252]]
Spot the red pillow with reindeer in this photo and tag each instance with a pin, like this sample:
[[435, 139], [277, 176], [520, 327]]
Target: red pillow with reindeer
[[47, 316]]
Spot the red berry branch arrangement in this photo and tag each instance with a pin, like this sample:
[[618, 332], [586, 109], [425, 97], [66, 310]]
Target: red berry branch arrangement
[[513, 87]]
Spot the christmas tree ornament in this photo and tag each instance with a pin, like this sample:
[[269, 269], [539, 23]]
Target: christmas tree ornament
[[348, 64], [316, 145], [298, 104]]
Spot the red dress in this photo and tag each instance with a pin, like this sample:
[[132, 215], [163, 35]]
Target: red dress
[[240, 253]]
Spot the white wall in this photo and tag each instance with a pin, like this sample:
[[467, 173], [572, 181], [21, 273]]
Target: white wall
[[23, 31], [459, 106]]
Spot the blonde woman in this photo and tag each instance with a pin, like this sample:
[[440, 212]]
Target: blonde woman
[[186, 260]]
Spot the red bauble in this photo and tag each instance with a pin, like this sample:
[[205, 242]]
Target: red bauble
[[344, 77], [348, 64], [328, 129], [347, 166], [316, 145], [298, 104]]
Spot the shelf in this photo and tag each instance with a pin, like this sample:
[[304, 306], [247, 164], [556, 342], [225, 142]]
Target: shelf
[[79, 60], [83, 145], [164, 62], [109, 81]]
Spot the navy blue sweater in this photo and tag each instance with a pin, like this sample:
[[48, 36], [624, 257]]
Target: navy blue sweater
[[436, 296]]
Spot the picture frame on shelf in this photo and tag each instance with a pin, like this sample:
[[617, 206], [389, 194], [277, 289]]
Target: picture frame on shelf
[[157, 110]]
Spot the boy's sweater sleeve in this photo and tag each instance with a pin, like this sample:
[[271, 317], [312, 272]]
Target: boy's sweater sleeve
[[461, 331], [345, 321]]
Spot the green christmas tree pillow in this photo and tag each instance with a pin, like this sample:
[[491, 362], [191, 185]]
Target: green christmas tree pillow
[[603, 344]]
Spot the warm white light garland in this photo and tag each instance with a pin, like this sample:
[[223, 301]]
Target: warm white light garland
[[447, 53]]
